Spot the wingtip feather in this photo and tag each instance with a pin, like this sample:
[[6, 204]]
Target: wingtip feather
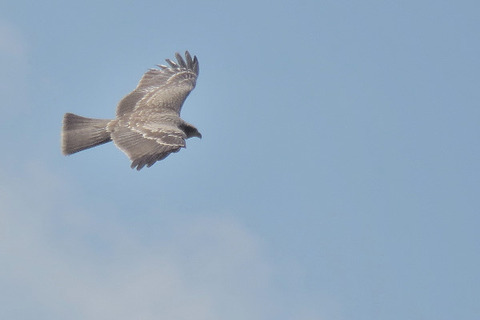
[[188, 62], [195, 65], [171, 63], [189, 59], [180, 60]]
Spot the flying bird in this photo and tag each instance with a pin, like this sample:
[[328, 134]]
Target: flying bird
[[147, 126]]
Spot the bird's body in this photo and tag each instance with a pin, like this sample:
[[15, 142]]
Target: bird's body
[[148, 126]]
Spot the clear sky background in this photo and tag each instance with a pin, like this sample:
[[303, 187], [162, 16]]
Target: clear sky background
[[338, 176]]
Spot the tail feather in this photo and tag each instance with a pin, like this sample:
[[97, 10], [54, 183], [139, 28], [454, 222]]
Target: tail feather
[[79, 133]]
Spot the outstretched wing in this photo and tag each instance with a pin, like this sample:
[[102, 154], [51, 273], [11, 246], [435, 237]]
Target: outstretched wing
[[164, 88], [150, 139]]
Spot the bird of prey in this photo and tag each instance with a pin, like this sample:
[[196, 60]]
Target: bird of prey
[[147, 127]]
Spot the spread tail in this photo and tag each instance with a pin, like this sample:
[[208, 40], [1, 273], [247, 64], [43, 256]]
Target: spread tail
[[79, 133]]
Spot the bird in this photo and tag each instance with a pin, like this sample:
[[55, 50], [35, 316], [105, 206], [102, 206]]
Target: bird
[[147, 126]]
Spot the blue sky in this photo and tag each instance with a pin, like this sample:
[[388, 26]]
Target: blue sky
[[337, 178]]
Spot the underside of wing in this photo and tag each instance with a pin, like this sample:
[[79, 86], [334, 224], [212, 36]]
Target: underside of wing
[[167, 87], [145, 144]]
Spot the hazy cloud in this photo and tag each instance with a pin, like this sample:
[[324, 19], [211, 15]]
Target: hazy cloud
[[68, 263]]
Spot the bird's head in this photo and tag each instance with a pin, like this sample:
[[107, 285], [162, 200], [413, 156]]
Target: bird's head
[[191, 131]]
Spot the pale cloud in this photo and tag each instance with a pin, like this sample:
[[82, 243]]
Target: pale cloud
[[63, 262], [61, 259]]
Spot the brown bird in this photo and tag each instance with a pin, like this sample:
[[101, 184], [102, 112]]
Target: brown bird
[[147, 127]]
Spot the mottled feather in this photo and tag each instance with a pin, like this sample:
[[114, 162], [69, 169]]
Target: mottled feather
[[179, 79]]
